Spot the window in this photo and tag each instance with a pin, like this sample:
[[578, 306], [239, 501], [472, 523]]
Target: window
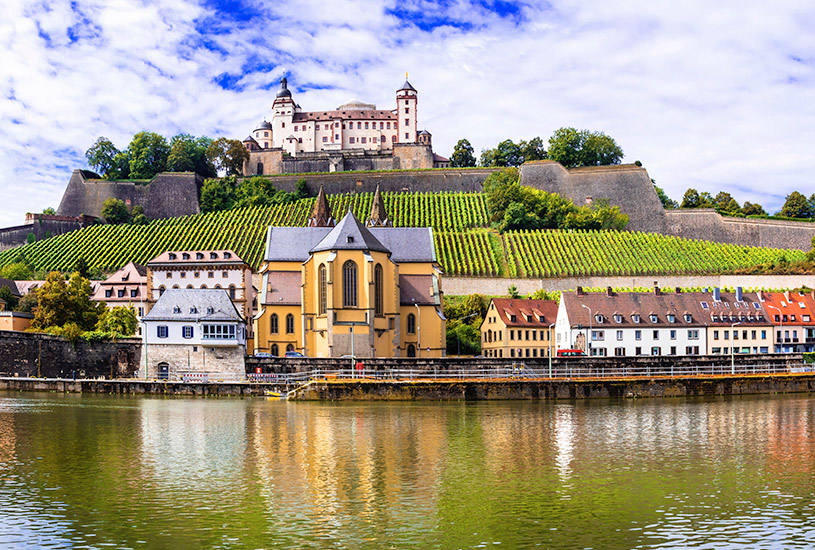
[[393, 138], [350, 140], [196, 274], [693, 334], [363, 140], [169, 274], [289, 324], [231, 292], [322, 289], [598, 318], [411, 324], [598, 335], [379, 296], [161, 290], [219, 332], [185, 256], [619, 335], [411, 350], [673, 350], [407, 110], [366, 125], [186, 332], [273, 324], [635, 318], [120, 293], [654, 318], [162, 331], [183, 274], [388, 126], [381, 125], [349, 284], [656, 350], [688, 318], [656, 335], [134, 293], [359, 125], [637, 335], [673, 336], [511, 334], [598, 352], [715, 334], [671, 318], [199, 255], [325, 139], [211, 275], [407, 136], [618, 318], [638, 351], [172, 256], [407, 122]]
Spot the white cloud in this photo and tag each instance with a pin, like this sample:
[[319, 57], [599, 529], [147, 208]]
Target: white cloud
[[712, 96]]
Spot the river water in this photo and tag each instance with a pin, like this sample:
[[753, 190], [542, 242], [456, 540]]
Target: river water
[[87, 471]]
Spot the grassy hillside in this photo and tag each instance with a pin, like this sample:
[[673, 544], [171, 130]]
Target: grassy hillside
[[464, 245]]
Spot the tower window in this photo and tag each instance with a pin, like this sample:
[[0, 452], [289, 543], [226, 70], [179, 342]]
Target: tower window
[[349, 284]]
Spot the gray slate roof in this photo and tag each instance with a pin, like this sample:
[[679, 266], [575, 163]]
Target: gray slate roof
[[406, 244], [198, 298], [349, 234]]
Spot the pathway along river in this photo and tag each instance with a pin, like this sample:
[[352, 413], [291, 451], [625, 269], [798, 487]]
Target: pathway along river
[[145, 472]]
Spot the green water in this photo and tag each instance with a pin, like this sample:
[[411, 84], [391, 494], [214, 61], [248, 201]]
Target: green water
[[120, 472]]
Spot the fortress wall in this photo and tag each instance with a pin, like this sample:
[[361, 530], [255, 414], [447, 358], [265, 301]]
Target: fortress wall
[[495, 286], [166, 195], [18, 235], [707, 224], [464, 179], [626, 186]]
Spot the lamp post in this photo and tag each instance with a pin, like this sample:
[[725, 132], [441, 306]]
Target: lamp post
[[458, 334], [549, 334], [733, 348], [780, 320], [418, 330], [588, 336]]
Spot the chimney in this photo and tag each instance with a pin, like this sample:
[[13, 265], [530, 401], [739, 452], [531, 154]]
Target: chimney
[[657, 291], [609, 292], [717, 294], [760, 295], [580, 291], [739, 294]]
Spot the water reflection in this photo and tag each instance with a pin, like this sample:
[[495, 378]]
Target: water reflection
[[226, 473]]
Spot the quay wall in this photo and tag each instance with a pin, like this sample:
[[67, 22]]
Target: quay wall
[[28, 354]]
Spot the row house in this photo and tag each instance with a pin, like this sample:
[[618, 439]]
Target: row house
[[126, 287], [663, 323], [518, 328], [793, 316]]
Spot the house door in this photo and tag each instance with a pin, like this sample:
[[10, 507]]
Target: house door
[[163, 371]]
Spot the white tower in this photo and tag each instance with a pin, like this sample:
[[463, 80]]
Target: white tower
[[282, 114], [406, 105]]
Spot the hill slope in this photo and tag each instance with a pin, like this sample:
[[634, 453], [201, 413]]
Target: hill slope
[[464, 245]]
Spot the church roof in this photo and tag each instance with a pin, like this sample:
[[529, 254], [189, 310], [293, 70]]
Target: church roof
[[378, 216], [349, 234], [406, 86], [321, 213]]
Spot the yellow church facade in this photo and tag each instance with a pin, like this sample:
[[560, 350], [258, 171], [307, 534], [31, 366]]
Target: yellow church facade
[[332, 290]]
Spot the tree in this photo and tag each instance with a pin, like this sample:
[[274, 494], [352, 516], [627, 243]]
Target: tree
[[227, 155], [101, 156], [49, 211], [726, 204], [16, 271], [30, 238], [81, 267], [532, 149], [28, 303], [796, 206], [690, 199], [255, 191], [148, 154], [462, 156], [114, 211], [506, 153], [60, 303], [218, 194], [138, 217], [512, 291], [120, 321], [667, 202], [571, 147], [8, 296], [750, 209], [189, 154]]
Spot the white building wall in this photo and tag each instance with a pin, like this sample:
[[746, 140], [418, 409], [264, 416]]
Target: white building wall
[[606, 338]]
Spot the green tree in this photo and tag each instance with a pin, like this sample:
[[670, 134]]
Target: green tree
[[255, 191], [101, 156], [726, 204], [121, 166], [571, 147], [16, 271], [81, 267], [512, 291], [506, 153], [750, 209], [532, 149], [8, 296], [60, 303], [115, 211], [227, 155], [119, 320], [28, 303], [667, 202], [31, 237], [138, 217], [502, 188], [189, 154], [49, 211], [218, 194], [462, 156], [148, 154], [796, 206], [463, 337]]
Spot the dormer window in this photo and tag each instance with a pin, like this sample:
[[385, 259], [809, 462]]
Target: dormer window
[[176, 309], [688, 318], [671, 318], [193, 309], [199, 256], [513, 318], [213, 256], [805, 318], [185, 256], [349, 238], [210, 310], [756, 305], [704, 305], [736, 304], [726, 304], [540, 318], [618, 318], [635, 318], [598, 318], [801, 305], [227, 255], [792, 317], [654, 318], [173, 256]]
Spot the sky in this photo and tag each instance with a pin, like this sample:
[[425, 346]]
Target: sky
[[709, 95]]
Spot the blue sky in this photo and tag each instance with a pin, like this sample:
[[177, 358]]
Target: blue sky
[[715, 96]]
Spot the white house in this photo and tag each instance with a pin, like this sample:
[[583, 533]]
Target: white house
[[193, 331], [631, 323]]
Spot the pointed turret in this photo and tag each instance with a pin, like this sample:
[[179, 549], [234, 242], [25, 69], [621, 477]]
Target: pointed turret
[[378, 216], [321, 213]]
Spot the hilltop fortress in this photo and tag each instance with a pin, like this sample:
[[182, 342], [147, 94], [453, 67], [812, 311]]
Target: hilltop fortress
[[354, 136]]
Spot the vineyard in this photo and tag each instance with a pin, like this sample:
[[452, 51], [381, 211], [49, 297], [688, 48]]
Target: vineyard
[[464, 245]]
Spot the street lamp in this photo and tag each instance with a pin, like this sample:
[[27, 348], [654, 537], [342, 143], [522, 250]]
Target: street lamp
[[549, 334], [588, 336], [418, 330], [780, 320], [732, 347], [458, 334]]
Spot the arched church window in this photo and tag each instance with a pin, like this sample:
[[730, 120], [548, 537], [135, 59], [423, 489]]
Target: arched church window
[[379, 295], [349, 284], [321, 282]]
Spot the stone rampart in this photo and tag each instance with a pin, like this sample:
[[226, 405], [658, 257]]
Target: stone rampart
[[42, 228], [167, 195], [28, 354]]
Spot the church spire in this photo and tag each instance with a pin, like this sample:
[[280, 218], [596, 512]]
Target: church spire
[[378, 217], [321, 213]]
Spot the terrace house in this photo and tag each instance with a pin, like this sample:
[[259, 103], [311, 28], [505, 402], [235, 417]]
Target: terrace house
[[793, 316], [519, 328], [736, 322]]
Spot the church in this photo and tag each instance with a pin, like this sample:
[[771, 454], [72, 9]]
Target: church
[[339, 288], [354, 136]]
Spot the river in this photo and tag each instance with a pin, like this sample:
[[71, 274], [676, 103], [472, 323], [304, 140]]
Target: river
[[89, 471]]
